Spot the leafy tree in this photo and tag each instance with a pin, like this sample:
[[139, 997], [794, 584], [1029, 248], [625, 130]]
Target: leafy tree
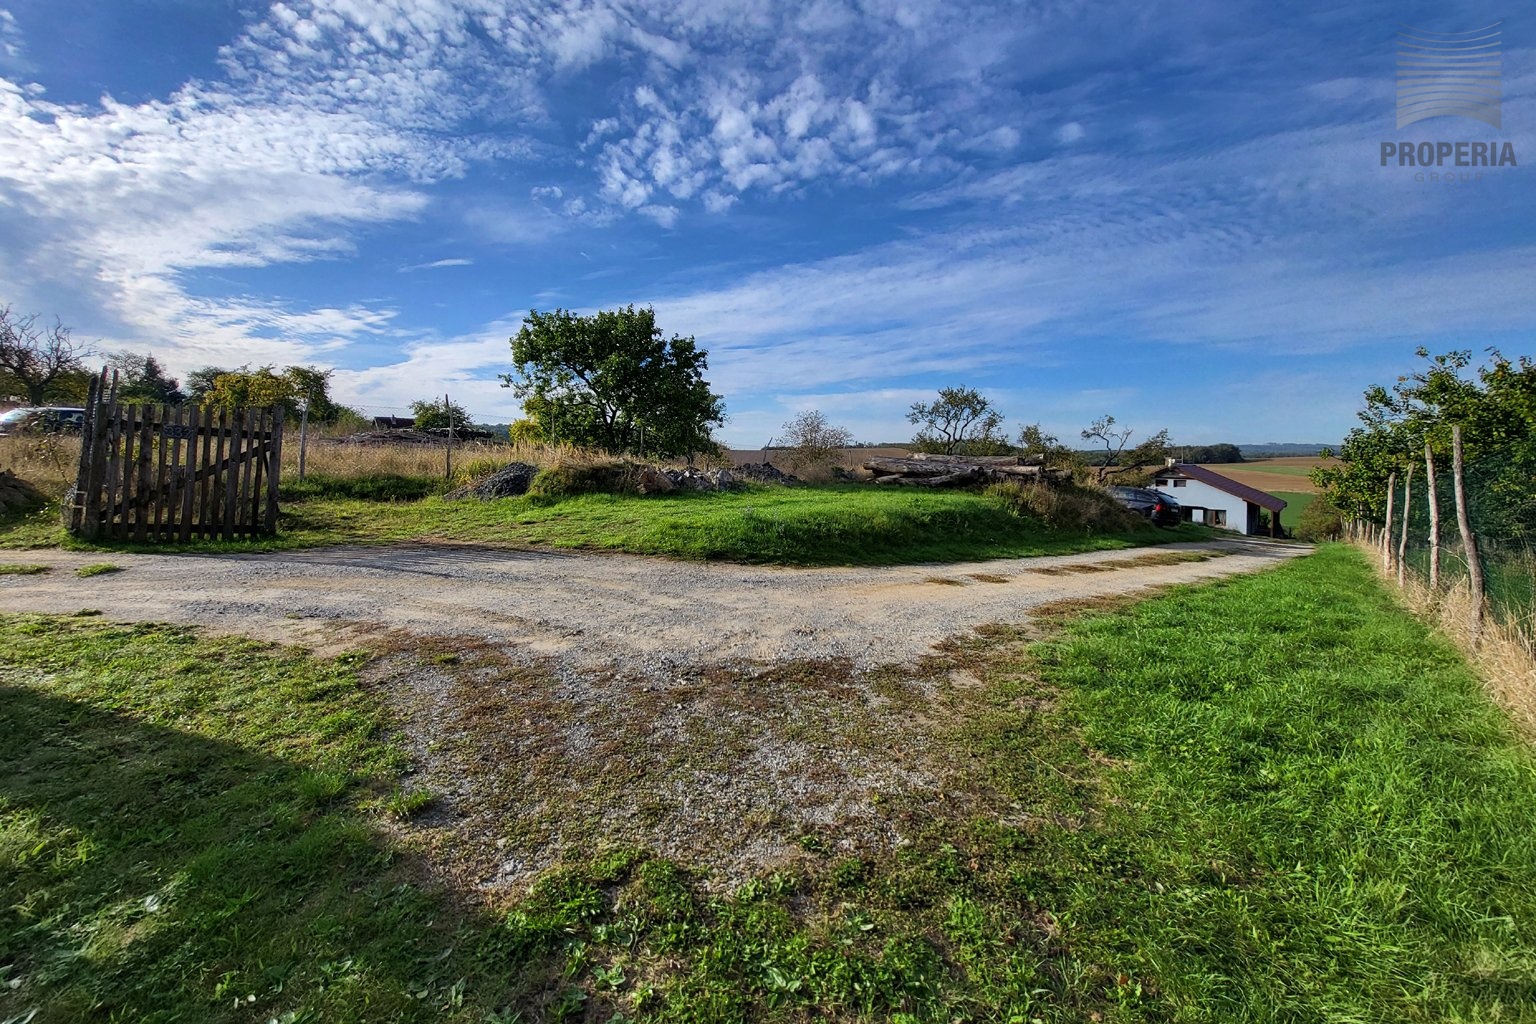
[[36, 360], [314, 384], [1119, 459], [232, 389], [1207, 453], [141, 378], [525, 431], [1496, 409], [1320, 521], [200, 381], [438, 414], [1035, 443], [811, 442], [612, 381], [962, 421], [243, 387]]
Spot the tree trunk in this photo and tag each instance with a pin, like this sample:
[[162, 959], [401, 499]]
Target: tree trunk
[[1434, 518], [1402, 543], [1468, 538], [1386, 531]]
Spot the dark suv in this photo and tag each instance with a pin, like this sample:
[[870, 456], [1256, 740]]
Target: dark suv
[[1156, 506], [51, 419]]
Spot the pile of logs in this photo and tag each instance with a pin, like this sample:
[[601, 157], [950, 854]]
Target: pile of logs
[[922, 470]]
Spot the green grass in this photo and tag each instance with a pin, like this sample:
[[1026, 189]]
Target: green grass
[[22, 569], [98, 569], [1275, 798], [848, 525], [1295, 502]]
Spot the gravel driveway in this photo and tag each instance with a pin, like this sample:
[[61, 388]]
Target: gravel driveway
[[605, 609], [556, 703]]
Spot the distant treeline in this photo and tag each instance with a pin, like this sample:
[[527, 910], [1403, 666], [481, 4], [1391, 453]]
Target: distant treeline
[[1182, 452]]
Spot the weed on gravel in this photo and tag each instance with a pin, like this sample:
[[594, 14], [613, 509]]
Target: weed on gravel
[[1276, 797]]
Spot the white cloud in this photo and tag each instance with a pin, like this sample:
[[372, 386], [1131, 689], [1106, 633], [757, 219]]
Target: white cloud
[[455, 261], [1070, 132]]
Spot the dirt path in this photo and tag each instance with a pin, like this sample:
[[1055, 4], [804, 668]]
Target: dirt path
[[644, 614]]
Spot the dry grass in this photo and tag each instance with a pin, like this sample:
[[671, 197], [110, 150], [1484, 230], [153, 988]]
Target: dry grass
[[1501, 653], [49, 463]]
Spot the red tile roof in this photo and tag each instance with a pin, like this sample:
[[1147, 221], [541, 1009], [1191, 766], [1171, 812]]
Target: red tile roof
[[1263, 499]]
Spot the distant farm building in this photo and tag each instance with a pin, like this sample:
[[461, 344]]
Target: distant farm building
[[1205, 496], [393, 422]]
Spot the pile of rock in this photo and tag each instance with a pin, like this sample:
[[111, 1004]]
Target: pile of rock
[[507, 482], [765, 473], [16, 495], [654, 480]]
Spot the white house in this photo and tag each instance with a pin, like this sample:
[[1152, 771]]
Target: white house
[[1205, 496]]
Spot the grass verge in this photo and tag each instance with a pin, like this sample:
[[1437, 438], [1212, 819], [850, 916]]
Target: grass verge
[[1277, 797], [847, 525]]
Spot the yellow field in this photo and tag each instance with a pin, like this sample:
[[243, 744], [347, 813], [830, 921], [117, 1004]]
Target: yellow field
[[1284, 474]]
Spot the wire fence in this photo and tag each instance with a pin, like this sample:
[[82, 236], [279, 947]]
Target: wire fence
[[1498, 512]]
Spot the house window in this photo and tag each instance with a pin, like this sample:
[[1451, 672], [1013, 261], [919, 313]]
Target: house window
[[1180, 483], [1162, 483], [1217, 517]]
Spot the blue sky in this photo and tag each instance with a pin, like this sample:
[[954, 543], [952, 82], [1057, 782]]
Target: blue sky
[[1173, 213]]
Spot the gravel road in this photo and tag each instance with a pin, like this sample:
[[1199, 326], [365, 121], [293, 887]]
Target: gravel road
[[592, 610]]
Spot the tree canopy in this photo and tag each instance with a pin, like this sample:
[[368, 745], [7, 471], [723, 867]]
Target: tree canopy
[[217, 388], [37, 360], [961, 421], [612, 381], [1119, 458], [141, 378], [1494, 404], [811, 441], [439, 413]]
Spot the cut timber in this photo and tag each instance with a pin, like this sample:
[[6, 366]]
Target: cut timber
[[956, 470]]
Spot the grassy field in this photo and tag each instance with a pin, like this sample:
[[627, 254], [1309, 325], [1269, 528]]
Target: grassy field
[[1275, 475], [844, 525], [1295, 503], [1275, 798]]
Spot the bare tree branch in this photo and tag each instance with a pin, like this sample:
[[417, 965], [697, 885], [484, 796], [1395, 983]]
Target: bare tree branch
[[37, 356]]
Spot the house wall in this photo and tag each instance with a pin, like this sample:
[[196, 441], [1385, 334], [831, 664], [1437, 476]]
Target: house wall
[[1197, 492]]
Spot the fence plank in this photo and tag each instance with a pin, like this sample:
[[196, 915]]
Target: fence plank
[[258, 464], [188, 494], [162, 491], [274, 468], [144, 494], [227, 511], [95, 476], [212, 485]]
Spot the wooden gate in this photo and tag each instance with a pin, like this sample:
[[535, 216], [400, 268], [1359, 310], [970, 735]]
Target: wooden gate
[[176, 473]]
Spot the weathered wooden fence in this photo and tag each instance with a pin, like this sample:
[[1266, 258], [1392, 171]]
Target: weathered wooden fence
[[176, 473]]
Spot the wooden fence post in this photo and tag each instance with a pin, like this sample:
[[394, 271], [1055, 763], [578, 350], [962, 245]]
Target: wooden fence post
[[1434, 517], [1402, 544], [1468, 538], [1386, 532]]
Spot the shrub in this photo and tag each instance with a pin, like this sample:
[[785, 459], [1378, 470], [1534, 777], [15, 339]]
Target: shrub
[[1066, 506], [811, 443], [568, 479], [1320, 521]]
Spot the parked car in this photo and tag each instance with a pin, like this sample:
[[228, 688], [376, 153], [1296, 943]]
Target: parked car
[[47, 419], [1155, 505]]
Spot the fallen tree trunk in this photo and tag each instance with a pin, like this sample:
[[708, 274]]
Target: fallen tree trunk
[[957, 470], [966, 476]]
